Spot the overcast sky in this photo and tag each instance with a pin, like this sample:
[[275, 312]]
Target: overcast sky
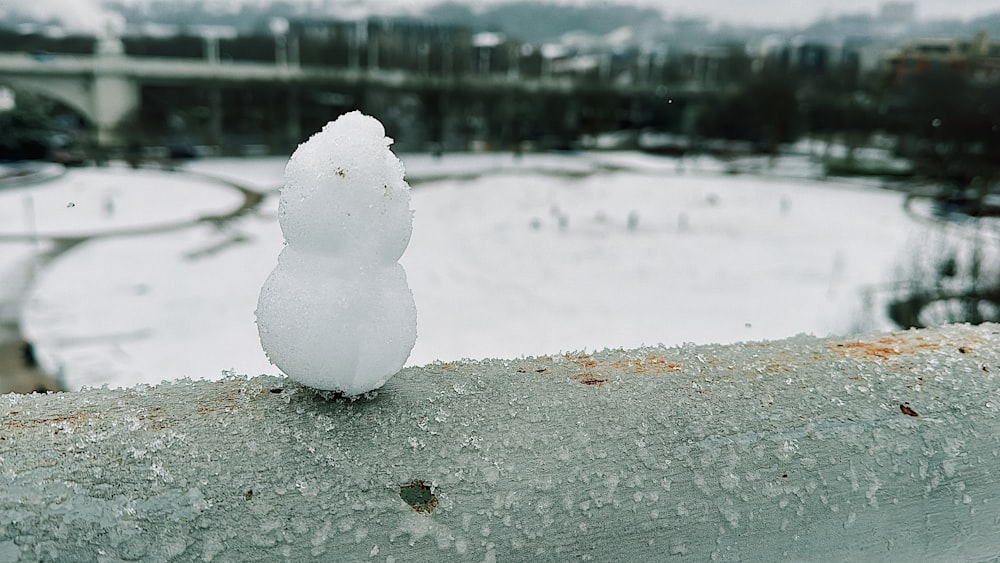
[[757, 12]]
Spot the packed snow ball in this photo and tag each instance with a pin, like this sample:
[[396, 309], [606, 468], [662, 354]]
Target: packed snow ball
[[336, 313]]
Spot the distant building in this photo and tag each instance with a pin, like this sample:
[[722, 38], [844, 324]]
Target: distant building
[[803, 57], [812, 58], [864, 53], [978, 58]]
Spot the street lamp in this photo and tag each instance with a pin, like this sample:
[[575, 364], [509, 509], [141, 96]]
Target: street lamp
[[279, 29]]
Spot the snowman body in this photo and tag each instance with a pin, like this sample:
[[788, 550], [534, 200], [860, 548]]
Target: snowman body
[[336, 312]]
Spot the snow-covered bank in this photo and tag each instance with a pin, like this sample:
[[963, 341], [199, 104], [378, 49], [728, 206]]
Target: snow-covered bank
[[101, 201], [539, 255]]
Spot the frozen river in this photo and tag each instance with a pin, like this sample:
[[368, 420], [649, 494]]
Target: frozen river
[[509, 257]]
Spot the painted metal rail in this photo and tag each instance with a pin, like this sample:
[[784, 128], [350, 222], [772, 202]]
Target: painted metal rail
[[883, 447]]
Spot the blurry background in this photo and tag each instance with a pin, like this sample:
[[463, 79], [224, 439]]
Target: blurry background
[[228, 78], [903, 96]]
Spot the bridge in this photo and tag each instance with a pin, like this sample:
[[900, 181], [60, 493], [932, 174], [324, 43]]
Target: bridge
[[105, 87]]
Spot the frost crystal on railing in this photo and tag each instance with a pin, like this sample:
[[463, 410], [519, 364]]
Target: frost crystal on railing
[[336, 313]]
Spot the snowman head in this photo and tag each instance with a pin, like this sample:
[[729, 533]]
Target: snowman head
[[344, 193]]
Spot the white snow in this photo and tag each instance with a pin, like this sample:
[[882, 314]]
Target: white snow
[[18, 267], [261, 174], [509, 257], [100, 201], [336, 313]]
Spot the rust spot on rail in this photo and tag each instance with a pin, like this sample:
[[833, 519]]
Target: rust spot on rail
[[419, 495], [591, 379], [225, 404], [31, 423], [648, 364], [886, 348]]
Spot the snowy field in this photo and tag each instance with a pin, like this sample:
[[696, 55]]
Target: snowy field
[[106, 201], [509, 257]]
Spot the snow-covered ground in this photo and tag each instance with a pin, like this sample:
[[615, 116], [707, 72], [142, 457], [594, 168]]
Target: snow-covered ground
[[102, 201], [90, 203], [509, 257]]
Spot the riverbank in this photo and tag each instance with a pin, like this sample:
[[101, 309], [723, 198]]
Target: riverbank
[[45, 211]]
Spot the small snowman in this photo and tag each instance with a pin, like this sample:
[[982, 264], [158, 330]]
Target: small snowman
[[336, 312]]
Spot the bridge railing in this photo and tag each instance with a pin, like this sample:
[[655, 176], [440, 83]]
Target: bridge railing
[[878, 447], [187, 69]]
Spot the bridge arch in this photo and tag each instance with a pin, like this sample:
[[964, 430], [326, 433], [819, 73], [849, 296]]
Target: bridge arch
[[70, 92], [102, 99]]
